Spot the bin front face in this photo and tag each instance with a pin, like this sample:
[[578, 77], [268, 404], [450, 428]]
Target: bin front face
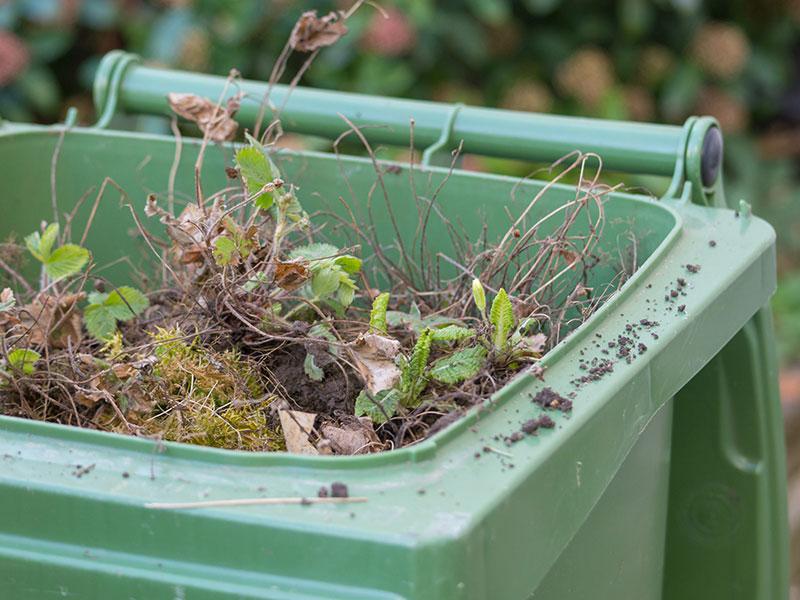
[[439, 522]]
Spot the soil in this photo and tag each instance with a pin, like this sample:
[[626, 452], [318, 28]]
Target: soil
[[333, 395]]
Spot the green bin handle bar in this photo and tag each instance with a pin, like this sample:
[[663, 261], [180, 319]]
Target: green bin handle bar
[[691, 153]]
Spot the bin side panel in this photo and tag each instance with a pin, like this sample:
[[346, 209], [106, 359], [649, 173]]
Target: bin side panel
[[727, 524], [616, 553]]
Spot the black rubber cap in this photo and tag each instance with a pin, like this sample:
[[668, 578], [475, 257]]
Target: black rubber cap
[[711, 159]]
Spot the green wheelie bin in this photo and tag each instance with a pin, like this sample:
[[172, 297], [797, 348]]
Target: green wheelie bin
[[666, 481]]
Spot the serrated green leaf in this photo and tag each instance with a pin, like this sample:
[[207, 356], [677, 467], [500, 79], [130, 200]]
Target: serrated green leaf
[[412, 371], [40, 245], [254, 168], [48, 240], [451, 333], [377, 316], [24, 360], [100, 323], [325, 282], [459, 366], [66, 260], [313, 372], [120, 302], [223, 251], [379, 409], [502, 319]]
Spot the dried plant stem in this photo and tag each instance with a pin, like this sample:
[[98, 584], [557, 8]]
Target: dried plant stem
[[254, 502]]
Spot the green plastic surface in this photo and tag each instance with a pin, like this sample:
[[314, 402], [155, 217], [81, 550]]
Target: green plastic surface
[[665, 481]]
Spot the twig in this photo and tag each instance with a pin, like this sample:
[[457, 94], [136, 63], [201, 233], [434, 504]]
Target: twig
[[254, 502]]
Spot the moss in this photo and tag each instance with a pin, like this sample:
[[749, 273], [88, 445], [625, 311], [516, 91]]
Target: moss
[[206, 397]]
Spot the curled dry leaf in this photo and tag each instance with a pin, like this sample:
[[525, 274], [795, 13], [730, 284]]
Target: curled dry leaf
[[190, 229], [297, 427], [291, 274], [312, 32], [374, 356], [534, 343], [213, 120], [355, 437]]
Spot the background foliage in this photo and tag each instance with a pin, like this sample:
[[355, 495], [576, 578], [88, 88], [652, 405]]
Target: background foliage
[[649, 60]]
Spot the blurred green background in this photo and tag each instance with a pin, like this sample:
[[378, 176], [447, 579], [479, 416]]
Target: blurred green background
[[647, 60]]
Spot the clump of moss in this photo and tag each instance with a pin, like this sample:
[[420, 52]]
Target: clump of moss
[[201, 396]]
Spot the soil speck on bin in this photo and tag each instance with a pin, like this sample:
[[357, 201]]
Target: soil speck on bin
[[80, 471], [547, 398], [339, 490]]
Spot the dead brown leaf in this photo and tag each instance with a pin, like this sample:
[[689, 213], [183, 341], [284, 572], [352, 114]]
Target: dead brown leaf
[[354, 437], [312, 32], [291, 274], [213, 120], [297, 427], [374, 356], [124, 370]]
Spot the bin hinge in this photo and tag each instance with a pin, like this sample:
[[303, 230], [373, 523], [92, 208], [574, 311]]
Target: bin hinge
[[698, 168]]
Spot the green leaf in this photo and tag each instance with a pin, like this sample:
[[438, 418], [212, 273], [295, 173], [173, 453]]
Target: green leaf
[[314, 252], [41, 245], [377, 316], [459, 366], [451, 333], [323, 330], [65, 260], [223, 251], [346, 292], [120, 302], [313, 372], [479, 295], [379, 409], [502, 319], [349, 263], [48, 239], [254, 168], [412, 376], [325, 282], [24, 360], [412, 320], [100, 323]]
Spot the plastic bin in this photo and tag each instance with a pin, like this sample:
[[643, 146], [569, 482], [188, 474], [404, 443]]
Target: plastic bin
[[666, 480]]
